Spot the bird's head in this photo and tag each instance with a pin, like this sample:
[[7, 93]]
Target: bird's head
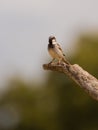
[[52, 39]]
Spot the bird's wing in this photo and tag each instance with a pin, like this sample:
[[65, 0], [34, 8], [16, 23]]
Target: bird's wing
[[59, 47]]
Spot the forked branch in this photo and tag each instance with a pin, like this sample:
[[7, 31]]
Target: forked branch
[[85, 80]]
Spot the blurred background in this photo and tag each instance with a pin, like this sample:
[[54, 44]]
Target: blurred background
[[34, 99]]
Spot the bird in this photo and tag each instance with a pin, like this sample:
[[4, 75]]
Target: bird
[[56, 51]]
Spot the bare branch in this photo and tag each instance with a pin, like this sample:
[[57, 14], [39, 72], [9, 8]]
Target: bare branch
[[85, 80]]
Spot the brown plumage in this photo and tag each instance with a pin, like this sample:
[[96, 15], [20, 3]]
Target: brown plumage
[[56, 51]]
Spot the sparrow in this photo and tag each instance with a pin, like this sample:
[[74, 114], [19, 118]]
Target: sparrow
[[56, 51]]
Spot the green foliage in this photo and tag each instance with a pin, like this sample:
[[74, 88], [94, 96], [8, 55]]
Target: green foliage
[[60, 104], [87, 53]]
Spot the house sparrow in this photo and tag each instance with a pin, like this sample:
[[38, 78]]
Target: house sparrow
[[55, 51]]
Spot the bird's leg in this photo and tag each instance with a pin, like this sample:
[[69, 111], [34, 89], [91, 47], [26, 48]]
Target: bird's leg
[[52, 60], [59, 62]]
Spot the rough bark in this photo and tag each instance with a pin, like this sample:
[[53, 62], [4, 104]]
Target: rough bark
[[85, 80]]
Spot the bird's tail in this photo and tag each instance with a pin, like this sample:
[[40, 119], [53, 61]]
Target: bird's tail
[[67, 62]]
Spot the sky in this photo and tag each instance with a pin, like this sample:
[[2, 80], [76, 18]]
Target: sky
[[25, 26]]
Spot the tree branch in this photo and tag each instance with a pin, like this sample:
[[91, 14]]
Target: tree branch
[[85, 80]]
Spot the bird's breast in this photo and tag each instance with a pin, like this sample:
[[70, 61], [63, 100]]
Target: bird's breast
[[53, 53]]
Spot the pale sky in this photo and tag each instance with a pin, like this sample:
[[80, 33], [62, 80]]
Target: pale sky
[[25, 26]]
